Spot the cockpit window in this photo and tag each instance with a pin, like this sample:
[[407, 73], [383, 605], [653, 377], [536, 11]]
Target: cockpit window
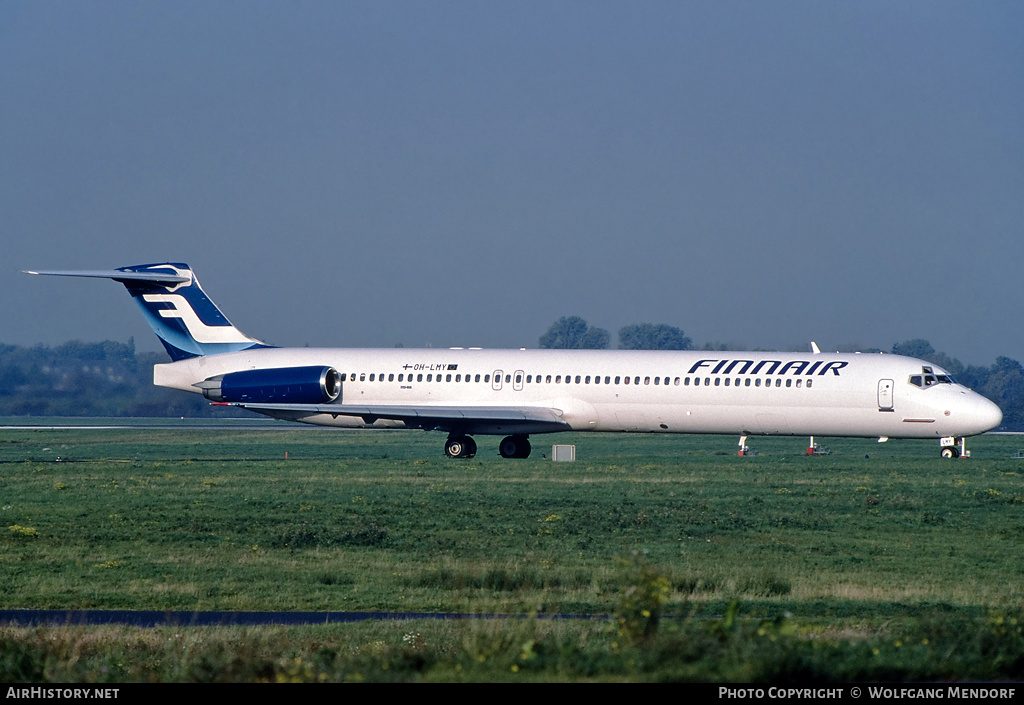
[[929, 378]]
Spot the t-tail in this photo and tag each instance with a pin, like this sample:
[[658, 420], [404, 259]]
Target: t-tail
[[187, 322]]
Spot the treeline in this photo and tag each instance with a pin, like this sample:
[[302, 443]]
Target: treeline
[[112, 379], [89, 379], [1002, 382]]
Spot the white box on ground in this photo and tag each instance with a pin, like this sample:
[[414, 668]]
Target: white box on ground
[[563, 453]]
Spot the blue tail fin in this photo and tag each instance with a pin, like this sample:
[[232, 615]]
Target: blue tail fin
[[187, 322]]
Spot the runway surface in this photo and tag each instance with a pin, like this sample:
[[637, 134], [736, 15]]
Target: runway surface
[[171, 618]]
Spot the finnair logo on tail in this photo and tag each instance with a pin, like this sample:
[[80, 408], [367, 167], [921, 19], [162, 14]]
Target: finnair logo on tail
[[200, 332]]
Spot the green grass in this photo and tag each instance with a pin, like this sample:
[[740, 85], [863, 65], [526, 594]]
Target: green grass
[[202, 519]]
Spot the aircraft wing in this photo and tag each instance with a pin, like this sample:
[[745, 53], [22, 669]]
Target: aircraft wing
[[467, 419]]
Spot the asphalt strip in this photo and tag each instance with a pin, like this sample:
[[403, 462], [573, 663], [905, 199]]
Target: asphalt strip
[[156, 618]]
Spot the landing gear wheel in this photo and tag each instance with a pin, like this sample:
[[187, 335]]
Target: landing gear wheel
[[949, 452], [460, 447], [514, 447]]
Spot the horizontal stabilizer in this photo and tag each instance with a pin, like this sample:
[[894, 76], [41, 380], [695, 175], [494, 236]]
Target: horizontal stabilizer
[[156, 277], [187, 322]]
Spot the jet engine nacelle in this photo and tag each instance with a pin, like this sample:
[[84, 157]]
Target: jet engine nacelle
[[284, 385]]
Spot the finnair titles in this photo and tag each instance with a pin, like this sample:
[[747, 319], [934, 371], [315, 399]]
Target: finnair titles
[[519, 393]]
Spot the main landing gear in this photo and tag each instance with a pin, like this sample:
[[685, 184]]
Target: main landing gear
[[465, 447], [514, 447], [460, 447]]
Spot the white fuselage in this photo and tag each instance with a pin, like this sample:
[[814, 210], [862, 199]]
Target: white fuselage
[[745, 393]]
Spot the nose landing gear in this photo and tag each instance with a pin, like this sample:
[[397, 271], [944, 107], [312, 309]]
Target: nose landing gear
[[954, 447]]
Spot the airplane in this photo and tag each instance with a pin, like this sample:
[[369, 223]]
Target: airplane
[[468, 392]]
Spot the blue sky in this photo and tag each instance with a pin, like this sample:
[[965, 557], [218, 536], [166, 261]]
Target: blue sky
[[464, 173]]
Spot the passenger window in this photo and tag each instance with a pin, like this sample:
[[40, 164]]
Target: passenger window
[[547, 380], [362, 376], [636, 380], [718, 381], [616, 380], [587, 380], [626, 381], [419, 377]]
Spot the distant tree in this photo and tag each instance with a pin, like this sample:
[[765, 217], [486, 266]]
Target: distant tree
[[718, 346], [851, 348], [1007, 366], [573, 333], [90, 379], [1005, 386], [653, 336], [923, 350], [918, 347]]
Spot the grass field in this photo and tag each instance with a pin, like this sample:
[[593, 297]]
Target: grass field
[[871, 544]]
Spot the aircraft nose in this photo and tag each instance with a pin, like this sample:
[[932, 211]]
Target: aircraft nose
[[979, 414], [989, 415]]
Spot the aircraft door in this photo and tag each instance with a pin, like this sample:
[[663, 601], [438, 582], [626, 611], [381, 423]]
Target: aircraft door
[[496, 380], [885, 387], [517, 381]]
